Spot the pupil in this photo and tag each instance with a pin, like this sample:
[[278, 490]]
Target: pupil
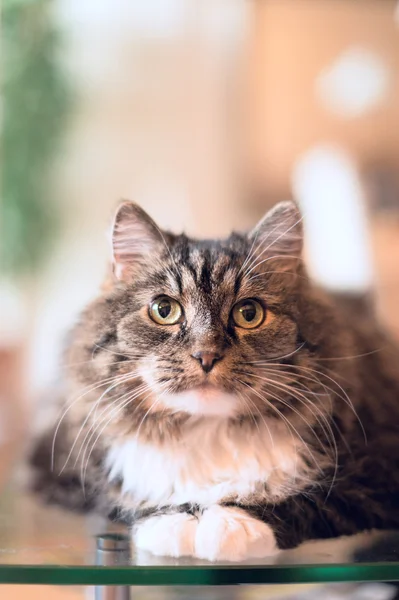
[[248, 312], [164, 309]]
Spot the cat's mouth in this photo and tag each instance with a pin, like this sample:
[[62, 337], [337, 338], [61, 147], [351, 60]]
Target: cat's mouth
[[203, 399]]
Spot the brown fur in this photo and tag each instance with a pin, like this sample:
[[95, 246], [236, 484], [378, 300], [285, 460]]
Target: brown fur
[[332, 373]]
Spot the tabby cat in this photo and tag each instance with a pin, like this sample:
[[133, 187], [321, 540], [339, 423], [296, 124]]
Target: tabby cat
[[220, 402]]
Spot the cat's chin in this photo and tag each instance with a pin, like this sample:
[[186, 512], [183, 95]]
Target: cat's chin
[[203, 400]]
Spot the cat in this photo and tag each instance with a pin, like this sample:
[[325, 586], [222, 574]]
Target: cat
[[220, 402]]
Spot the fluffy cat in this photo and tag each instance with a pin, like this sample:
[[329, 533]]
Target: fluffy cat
[[220, 402]]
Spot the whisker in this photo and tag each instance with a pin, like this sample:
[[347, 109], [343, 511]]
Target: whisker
[[109, 420], [124, 354], [246, 401], [297, 412], [260, 415], [116, 362], [131, 395], [280, 415], [153, 405], [86, 390], [354, 355], [283, 386], [289, 424], [288, 375], [255, 362], [345, 399], [293, 376], [322, 420], [111, 416], [128, 394], [323, 385]]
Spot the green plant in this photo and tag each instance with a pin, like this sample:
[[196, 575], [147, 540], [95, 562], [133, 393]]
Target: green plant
[[36, 101]]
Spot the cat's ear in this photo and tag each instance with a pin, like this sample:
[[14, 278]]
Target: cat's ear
[[135, 238], [279, 235]]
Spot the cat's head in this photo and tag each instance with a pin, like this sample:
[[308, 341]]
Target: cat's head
[[201, 327]]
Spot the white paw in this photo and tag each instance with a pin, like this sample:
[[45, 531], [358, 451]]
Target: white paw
[[230, 534], [167, 535]]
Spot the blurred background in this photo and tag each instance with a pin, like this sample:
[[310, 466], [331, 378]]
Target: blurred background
[[206, 112]]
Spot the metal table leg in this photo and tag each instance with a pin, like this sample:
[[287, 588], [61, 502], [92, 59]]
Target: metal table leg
[[112, 549]]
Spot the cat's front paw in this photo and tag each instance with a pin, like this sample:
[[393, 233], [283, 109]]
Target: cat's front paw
[[167, 535], [230, 534], [219, 534]]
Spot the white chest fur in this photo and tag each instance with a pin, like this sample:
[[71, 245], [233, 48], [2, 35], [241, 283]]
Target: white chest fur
[[213, 459]]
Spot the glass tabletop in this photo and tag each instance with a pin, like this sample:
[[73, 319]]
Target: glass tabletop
[[47, 545]]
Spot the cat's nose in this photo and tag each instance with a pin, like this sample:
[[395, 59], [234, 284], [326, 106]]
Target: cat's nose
[[207, 359]]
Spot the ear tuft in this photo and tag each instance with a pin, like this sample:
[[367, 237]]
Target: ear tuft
[[279, 235], [135, 237]]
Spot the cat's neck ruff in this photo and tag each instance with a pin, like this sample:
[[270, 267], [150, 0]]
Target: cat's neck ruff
[[213, 460]]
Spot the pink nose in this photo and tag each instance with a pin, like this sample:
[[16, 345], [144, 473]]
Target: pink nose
[[207, 359]]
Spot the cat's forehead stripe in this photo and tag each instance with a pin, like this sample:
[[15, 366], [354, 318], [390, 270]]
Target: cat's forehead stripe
[[207, 270]]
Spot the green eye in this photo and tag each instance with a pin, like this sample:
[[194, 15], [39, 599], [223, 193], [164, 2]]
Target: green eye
[[248, 314], [165, 311]]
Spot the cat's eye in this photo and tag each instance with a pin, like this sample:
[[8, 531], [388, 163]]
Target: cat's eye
[[248, 314], [165, 311]]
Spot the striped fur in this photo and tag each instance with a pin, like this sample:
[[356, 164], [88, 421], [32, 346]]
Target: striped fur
[[271, 443]]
